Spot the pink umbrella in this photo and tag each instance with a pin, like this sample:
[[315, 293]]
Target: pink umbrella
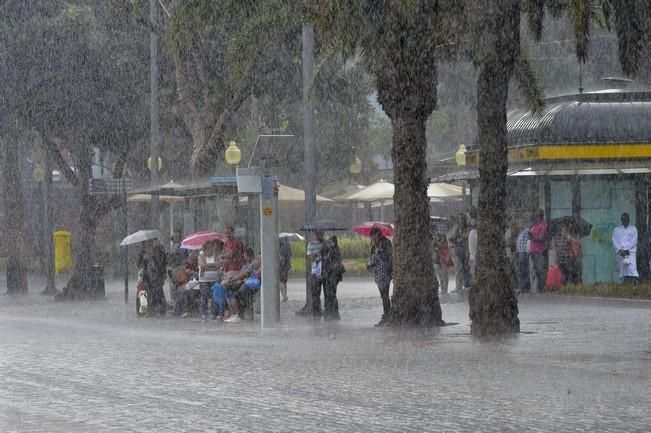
[[195, 241], [365, 228]]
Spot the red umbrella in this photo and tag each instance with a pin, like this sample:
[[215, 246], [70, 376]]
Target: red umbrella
[[365, 228], [195, 241]]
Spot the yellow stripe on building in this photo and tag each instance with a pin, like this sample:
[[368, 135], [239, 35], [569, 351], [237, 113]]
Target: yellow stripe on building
[[572, 151]]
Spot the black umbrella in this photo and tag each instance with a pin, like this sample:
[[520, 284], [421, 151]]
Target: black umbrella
[[575, 225], [323, 225]]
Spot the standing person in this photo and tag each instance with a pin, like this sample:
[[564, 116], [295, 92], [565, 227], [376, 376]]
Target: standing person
[[209, 273], [334, 273], [457, 239], [472, 251], [285, 253], [232, 252], [440, 261], [522, 258], [576, 259], [315, 260], [176, 254], [153, 261], [446, 261], [538, 248], [625, 244], [561, 242], [380, 263]]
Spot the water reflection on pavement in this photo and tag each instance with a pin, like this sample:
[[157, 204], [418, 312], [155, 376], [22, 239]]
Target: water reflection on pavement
[[97, 367]]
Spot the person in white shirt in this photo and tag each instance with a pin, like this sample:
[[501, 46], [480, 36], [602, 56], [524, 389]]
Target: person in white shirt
[[625, 244], [472, 251]]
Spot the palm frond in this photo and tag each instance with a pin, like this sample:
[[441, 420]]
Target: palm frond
[[630, 29], [580, 15], [535, 13], [526, 77]]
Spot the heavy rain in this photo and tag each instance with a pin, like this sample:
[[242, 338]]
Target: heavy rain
[[325, 215]]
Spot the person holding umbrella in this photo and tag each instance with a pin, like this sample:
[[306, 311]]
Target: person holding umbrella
[[315, 258], [285, 253], [334, 273], [380, 263], [153, 262]]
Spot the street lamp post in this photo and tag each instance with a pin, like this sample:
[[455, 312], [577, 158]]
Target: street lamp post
[[460, 158]]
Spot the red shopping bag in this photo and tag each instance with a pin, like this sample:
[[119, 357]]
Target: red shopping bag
[[554, 279]]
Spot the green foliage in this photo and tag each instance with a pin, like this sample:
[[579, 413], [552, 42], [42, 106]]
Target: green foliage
[[355, 247], [78, 72], [351, 248], [354, 267]]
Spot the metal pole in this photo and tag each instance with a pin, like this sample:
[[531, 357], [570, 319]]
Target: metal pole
[[269, 294], [154, 113], [125, 254], [309, 139]]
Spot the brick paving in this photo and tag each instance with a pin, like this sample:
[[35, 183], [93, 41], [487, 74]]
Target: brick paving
[[96, 367]]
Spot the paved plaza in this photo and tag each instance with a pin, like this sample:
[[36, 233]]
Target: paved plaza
[[96, 367]]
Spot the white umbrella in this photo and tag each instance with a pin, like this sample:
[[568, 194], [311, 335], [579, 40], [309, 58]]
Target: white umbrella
[[291, 236], [444, 190], [287, 193], [140, 236], [379, 191]]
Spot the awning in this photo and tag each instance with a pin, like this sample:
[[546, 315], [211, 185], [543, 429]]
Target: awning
[[147, 197], [379, 191]]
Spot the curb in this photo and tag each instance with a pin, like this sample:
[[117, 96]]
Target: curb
[[596, 300]]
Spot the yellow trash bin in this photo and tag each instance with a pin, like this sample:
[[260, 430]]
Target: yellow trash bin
[[62, 251]]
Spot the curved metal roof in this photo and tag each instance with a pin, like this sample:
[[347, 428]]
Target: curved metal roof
[[595, 118]]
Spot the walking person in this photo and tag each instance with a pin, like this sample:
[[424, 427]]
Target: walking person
[[538, 248], [334, 273], [625, 244], [380, 263], [285, 253], [153, 261]]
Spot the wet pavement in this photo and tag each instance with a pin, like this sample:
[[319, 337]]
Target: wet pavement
[[96, 367]]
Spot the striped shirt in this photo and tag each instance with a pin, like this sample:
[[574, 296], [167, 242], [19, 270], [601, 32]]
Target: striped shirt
[[521, 242]]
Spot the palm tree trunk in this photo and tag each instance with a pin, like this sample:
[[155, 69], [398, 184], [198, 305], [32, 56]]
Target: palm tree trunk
[[415, 299], [14, 220], [78, 287], [493, 302]]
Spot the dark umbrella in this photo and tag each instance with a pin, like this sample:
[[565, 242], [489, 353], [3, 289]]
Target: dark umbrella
[[575, 225]]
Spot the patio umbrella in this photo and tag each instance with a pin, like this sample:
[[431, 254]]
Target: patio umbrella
[[575, 225], [323, 225], [291, 237], [379, 191], [444, 191], [289, 194], [365, 228], [195, 241], [140, 236]]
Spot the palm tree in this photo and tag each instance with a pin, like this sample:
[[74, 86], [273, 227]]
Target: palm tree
[[493, 304], [401, 43]]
